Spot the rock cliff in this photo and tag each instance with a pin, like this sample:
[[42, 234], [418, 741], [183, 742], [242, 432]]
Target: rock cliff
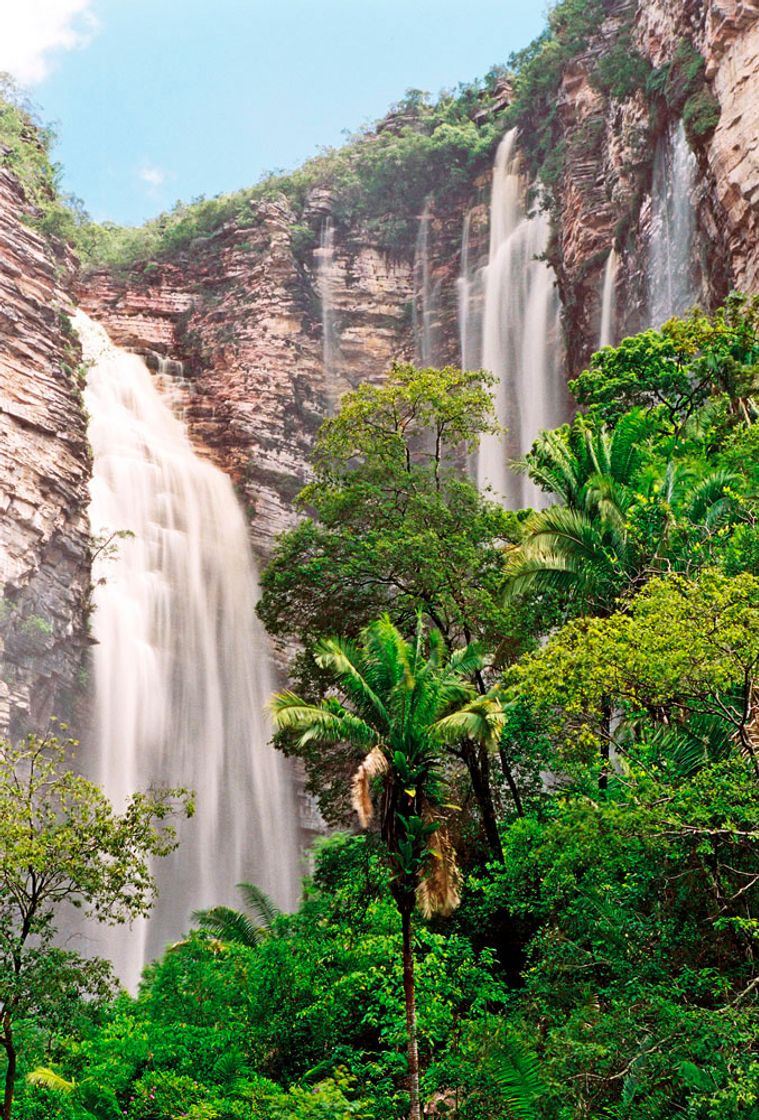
[[268, 333], [270, 325], [44, 466]]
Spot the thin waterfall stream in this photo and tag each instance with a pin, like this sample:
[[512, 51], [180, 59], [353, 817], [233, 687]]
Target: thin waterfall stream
[[608, 328], [181, 665], [521, 335], [671, 281], [327, 280]]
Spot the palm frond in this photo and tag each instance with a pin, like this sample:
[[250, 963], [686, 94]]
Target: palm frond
[[328, 722], [481, 720], [345, 661], [259, 904], [373, 765], [228, 925], [516, 1071], [710, 494]]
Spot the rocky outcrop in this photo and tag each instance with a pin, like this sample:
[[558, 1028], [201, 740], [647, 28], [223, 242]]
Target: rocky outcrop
[[270, 332], [241, 312], [44, 467], [730, 44]]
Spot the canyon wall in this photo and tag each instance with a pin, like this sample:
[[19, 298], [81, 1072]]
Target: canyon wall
[[244, 310], [241, 312], [44, 466]]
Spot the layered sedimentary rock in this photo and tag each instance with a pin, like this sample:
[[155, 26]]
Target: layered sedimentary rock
[[241, 312], [44, 466], [605, 194], [269, 333]]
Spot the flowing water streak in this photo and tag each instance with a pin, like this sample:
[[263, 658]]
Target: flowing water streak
[[521, 332], [608, 329], [182, 673], [469, 293], [671, 282], [326, 276], [426, 292]]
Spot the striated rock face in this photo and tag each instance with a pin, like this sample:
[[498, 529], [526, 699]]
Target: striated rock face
[[605, 195], [44, 467], [242, 314], [730, 44], [270, 332]]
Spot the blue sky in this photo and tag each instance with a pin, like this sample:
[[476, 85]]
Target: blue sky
[[157, 100]]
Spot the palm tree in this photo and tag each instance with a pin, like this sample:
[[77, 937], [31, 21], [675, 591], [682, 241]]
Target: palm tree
[[584, 546], [237, 926], [399, 702]]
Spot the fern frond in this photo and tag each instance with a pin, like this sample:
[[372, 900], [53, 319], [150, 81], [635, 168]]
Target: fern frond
[[46, 1078]]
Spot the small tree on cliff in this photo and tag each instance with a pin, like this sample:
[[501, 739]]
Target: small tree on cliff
[[401, 701], [60, 841]]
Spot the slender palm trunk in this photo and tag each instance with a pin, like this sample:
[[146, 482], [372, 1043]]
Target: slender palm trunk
[[409, 992]]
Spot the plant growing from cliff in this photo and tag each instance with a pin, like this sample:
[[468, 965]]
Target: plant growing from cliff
[[400, 701], [61, 843]]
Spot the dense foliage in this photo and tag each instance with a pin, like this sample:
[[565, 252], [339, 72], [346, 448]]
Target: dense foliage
[[601, 960]]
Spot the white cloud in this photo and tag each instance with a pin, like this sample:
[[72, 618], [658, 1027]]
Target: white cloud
[[31, 31], [154, 177]]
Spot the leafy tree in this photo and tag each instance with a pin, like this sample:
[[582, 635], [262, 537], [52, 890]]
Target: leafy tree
[[675, 370], [396, 527], [686, 650], [398, 706], [61, 842]]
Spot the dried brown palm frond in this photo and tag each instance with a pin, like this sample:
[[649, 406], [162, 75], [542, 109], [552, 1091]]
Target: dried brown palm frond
[[439, 892], [361, 794]]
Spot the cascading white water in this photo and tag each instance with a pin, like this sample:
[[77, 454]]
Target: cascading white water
[[470, 298], [608, 328], [326, 276], [670, 273], [182, 674], [521, 339], [426, 292]]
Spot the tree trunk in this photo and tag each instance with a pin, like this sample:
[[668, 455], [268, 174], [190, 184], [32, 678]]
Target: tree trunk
[[10, 1072], [478, 764], [511, 782], [605, 750], [410, 994]]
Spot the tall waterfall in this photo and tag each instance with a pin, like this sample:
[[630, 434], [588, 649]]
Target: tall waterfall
[[326, 277], [181, 669], [671, 283], [608, 329], [521, 340], [469, 292], [426, 294]]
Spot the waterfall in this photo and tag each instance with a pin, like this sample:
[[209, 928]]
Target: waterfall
[[608, 329], [425, 296], [469, 292], [671, 281], [521, 341], [326, 277], [181, 668]]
